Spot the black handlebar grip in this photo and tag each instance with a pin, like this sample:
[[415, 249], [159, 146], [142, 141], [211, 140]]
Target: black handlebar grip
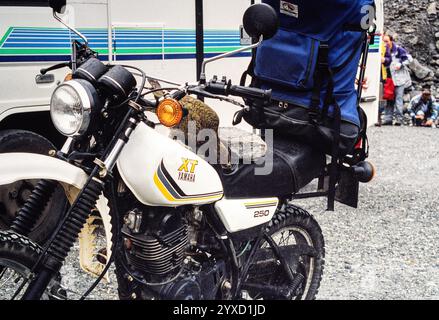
[[178, 95], [250, 93], [217, 88], [239, 91], [54, 67]]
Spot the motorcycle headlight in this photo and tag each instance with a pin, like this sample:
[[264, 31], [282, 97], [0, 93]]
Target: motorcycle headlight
[[72, 105]]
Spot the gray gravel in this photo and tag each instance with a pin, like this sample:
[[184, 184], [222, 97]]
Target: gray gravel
[[388, 247]]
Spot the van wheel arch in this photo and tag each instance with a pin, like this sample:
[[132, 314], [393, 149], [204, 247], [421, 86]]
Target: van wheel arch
[[36, 122]]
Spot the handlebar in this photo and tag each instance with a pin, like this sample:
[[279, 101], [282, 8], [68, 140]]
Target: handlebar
[[250, 93], [55, 67], [226, 89], [81, 54]]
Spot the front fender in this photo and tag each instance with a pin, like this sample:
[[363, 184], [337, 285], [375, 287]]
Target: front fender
[[21, 166], [24, 166]]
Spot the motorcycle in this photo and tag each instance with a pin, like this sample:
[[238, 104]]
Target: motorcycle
[[177, 226]]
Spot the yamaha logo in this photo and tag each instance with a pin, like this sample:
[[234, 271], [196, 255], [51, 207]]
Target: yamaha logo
[[289, 9], [186, 172]]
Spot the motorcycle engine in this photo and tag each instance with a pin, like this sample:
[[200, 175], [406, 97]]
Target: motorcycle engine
[[157, 246], [155, 242]]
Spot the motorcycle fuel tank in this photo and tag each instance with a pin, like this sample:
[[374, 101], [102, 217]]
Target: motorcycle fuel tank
[[161, 172]]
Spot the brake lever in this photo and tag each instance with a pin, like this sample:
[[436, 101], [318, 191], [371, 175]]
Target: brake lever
[[201, 92], [232, 101], [55, 67]]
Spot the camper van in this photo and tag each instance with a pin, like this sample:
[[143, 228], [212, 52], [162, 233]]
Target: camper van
[[159, 37]]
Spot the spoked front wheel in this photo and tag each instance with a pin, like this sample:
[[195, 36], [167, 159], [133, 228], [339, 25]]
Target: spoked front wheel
[[298, 243], [18, 255]]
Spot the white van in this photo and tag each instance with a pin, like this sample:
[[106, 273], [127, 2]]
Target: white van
[[157, 36]]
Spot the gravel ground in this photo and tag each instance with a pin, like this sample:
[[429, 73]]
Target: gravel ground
[[388, 247]]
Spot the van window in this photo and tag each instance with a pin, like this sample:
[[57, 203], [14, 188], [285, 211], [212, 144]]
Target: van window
[[30, 3]]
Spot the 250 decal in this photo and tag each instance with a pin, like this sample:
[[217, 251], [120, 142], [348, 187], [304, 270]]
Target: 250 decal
[[261, 213]]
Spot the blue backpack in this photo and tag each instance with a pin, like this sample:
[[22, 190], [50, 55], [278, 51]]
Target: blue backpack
[[311, 66]]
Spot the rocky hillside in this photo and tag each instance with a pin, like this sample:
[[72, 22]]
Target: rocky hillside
[[415, 23]]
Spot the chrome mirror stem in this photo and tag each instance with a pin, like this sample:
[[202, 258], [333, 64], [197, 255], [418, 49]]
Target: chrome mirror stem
[[58, 18], [225, 55]]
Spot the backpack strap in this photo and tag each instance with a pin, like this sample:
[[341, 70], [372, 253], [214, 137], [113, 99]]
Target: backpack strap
[[250, 70], [322, 69], [329, 99], [258, 116], [335, 155], [316, 116]]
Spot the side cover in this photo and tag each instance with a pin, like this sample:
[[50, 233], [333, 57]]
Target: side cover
[[161, 172], [242, 214]]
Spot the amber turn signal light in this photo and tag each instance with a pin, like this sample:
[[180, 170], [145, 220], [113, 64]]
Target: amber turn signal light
[[68, 77], [169, 112]]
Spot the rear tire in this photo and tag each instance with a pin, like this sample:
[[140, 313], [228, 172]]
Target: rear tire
[[305, 231], [13, 196]]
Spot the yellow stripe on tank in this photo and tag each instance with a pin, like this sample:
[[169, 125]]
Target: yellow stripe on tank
[[170, 198], [274, 202]]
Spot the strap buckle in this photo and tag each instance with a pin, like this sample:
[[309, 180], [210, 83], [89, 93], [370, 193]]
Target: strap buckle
[[283, 105], [323, 58], [315, 117]]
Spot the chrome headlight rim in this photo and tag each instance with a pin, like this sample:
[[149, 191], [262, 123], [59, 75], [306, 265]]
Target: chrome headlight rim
[[89, 100]]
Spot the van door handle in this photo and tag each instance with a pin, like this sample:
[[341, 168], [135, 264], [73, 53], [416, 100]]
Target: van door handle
[[46, 78]]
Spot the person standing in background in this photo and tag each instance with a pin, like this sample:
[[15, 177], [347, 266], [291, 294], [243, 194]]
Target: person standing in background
[[397, 60], [385, 99]]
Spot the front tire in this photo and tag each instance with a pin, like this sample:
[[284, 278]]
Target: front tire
[[13, 196], [18, 255], [292, 227]]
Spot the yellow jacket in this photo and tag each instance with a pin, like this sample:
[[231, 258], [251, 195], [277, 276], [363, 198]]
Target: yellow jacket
[[383, 54]]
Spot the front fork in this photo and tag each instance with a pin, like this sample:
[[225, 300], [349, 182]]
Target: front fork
[[34, 207], [55, 253], [37, 201]]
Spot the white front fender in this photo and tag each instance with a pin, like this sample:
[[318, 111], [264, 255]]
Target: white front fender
[[24, 166], [21, 166]]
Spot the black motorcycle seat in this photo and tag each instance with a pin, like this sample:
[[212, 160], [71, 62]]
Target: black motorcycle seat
[[294, 165]]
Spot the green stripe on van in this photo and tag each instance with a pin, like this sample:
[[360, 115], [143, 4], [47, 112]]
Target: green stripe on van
[[12, 51], [6, 35], [8, 51], [174, 50]]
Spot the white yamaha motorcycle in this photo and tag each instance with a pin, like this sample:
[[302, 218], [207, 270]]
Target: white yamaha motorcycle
[[177, 226]]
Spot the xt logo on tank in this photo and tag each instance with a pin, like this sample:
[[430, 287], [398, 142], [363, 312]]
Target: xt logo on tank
[[186, 172]]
